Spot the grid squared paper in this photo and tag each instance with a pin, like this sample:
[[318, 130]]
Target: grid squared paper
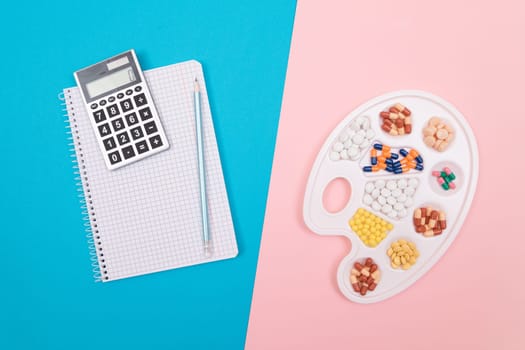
[[148, 213]]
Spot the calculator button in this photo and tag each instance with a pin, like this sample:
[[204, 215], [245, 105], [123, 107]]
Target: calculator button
[[120, 95], [142, 147], [132, 119], [118, 124], [113, 110], [104, 129], [123, 138], [136, 133], [129, 92], [102, 102], [138, 88], [94, 105], [150, 128], [114, 157], [155, 141], [111, 99], [145, 113], [126, 105], [140, 100], [128, 152], [99, 115], [109, 143]]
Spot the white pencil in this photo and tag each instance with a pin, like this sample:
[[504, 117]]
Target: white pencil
[[202, 172]]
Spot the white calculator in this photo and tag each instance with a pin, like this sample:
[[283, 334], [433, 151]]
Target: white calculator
[[121, 110]]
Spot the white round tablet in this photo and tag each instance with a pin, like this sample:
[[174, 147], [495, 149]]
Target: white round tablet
[[402, 213], [376, 206], [397, 192], [334, 155], [367, 199], [359, 120], [391, 200], [398, 206], [391, 185], [402, 197], [362, 133], [343, 154], [357, 139], [354, 126], [385, 192], [392, 214], [366, 123], [370, 134], [387, 208], [369, 187], [380, 184], [364, 144], [408, 203], [409, 191], [376, 193], [413, 182], [348, 143], [353, 152], [381, 200], [402, 183], [338, 146], [343, 137]]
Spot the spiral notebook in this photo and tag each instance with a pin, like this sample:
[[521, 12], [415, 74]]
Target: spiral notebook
[[145, 217]]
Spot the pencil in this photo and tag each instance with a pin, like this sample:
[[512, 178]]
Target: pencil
[[202, 172]]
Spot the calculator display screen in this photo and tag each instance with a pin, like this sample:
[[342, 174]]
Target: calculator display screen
[[110, 82]]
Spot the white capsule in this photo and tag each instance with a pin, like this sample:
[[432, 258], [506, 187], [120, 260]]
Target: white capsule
[[387, 208], [367, 199], [338, 146], [402, 183], [397, 192], [380, 184], [385, 192], [391, 200], [402, 213], [334, 156], [376, 193], [376, 206], [381, 200], [408, 203], [391, 185], [343, 154], [413, 182], [357, 139]]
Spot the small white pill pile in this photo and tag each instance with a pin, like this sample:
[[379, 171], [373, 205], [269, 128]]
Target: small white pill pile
[[392, 198], [353, 140]]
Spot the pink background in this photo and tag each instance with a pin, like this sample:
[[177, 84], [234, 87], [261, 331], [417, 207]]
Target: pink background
[[344, 53]]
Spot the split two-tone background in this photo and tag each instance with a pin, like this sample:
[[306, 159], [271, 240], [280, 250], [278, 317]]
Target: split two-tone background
[[340, 54]]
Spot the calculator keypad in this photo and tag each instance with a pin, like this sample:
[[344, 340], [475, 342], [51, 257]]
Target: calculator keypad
[[127, 127]]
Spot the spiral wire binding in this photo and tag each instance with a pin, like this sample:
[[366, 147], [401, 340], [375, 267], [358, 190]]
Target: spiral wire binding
[[86, 204]]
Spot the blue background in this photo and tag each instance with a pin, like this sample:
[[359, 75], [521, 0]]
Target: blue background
[[47, 295]]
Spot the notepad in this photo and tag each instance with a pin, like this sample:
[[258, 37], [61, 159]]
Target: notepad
[[146, 217]]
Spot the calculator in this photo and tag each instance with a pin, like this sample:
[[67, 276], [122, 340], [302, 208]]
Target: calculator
[[120, 107]]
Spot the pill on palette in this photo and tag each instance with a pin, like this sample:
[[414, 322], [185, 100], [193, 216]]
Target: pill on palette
[[408, 194]]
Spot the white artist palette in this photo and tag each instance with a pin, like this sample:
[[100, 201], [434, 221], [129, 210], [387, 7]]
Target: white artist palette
[[461, 156]]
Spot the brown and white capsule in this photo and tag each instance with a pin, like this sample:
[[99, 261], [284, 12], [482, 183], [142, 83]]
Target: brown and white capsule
[[442, 220], [402, 109]]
